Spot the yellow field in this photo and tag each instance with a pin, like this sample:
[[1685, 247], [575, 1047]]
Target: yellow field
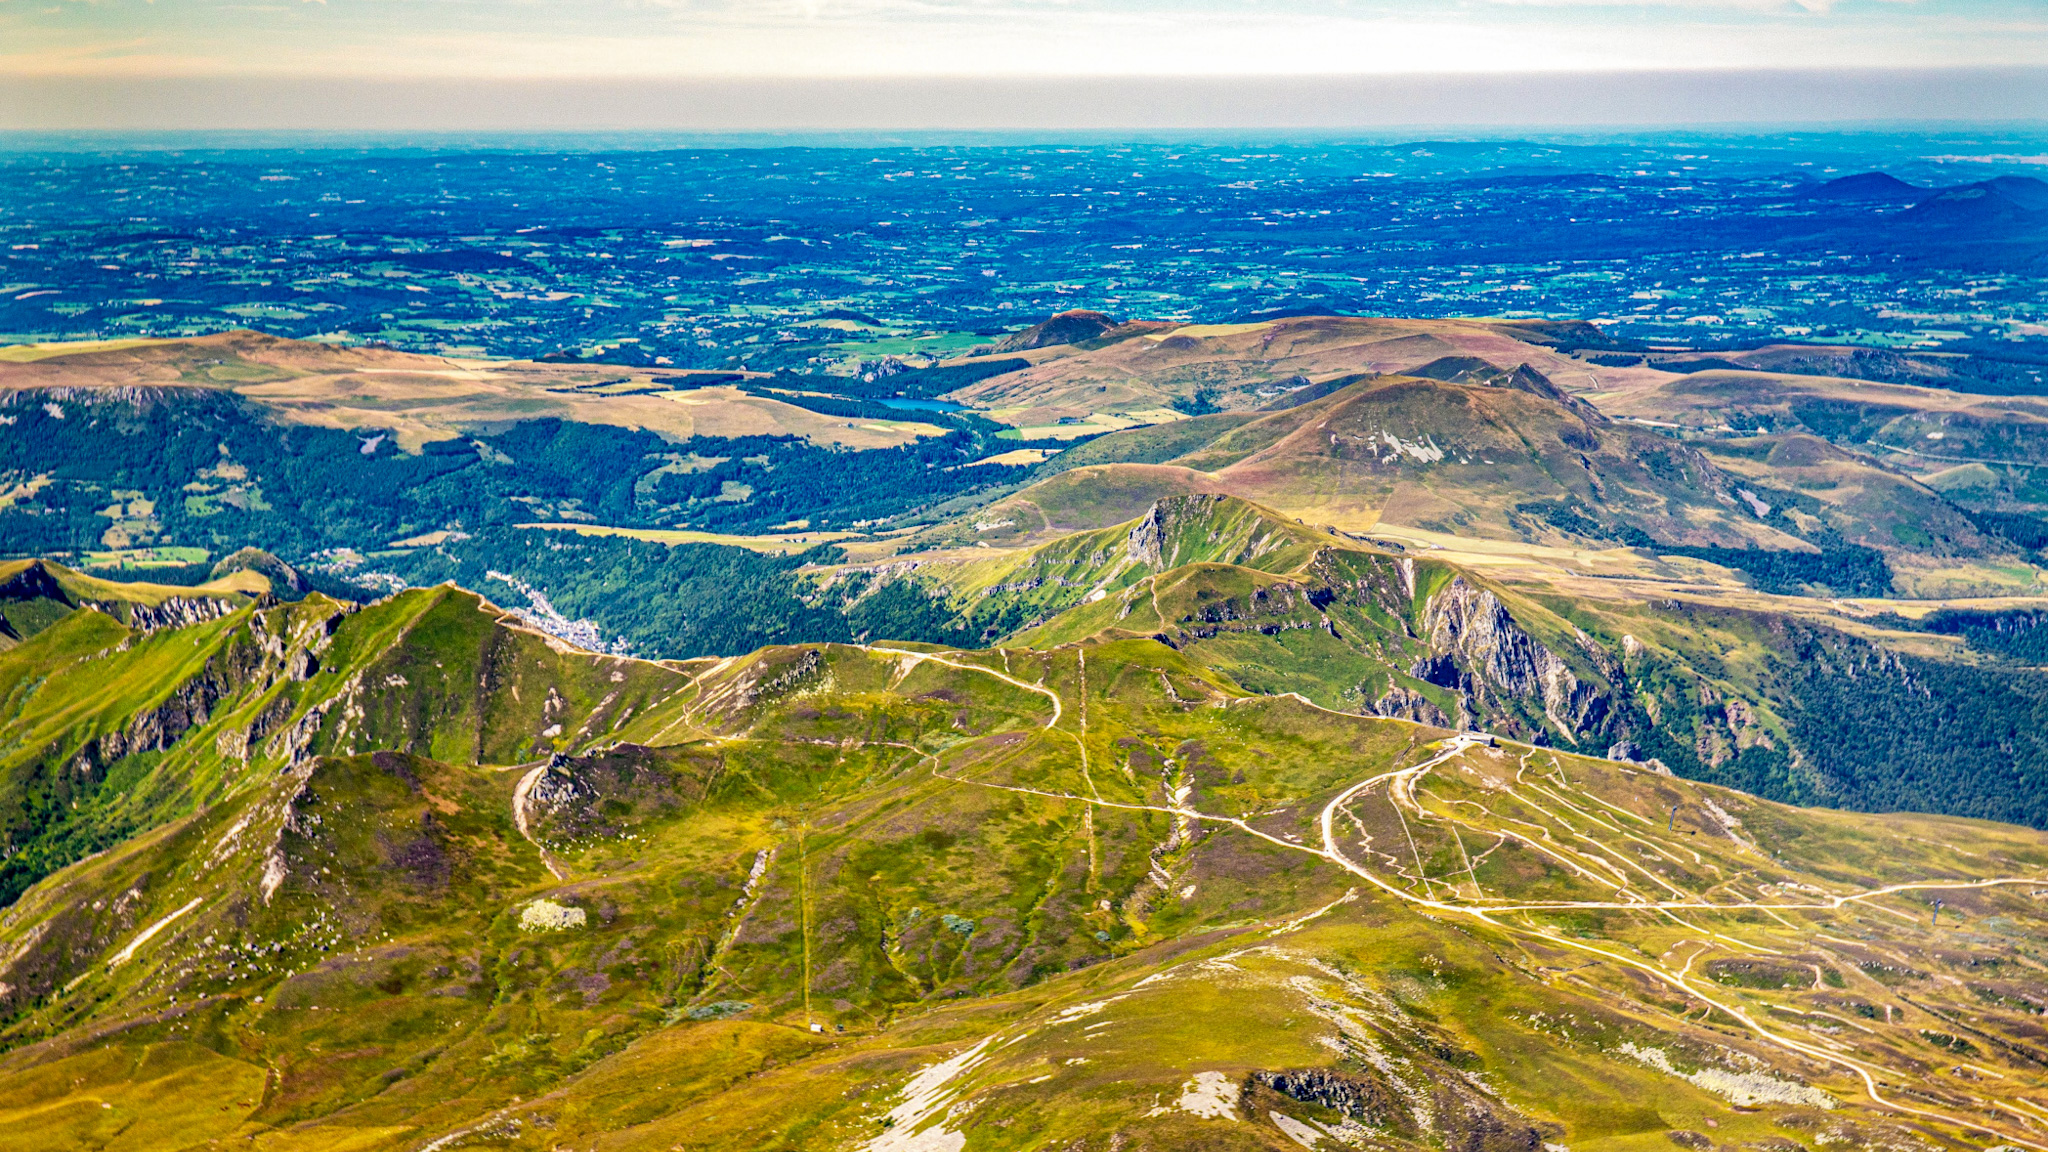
[[421, 398], [1023, 427], [1016, 456], [29, 353], [780, 544]]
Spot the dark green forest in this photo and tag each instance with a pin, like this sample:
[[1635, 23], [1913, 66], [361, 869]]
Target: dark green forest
[[1844, 569], [216, 475], [1886, 732]]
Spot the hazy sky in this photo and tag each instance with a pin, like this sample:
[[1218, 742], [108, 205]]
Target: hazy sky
[[766, 38]]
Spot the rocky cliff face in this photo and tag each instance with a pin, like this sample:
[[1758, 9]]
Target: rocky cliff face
[[1202, 527], [175, 612], [1497, 668], [34, 582], [1401, 703], [38, 582], [576, 799], [273, 647], [1147, 542]]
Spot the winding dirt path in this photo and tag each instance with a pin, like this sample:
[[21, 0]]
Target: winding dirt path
[[519, 792]]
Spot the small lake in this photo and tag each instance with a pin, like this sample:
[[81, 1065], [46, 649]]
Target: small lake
[[924, 405]]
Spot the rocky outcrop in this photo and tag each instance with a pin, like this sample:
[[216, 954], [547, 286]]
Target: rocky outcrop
[[1270, 610], [37, 582], [275, 647], [1146, 543], [1219, 529], [558, 791], [33, 583], [773, 680], [247, 665], [174, 612], [1401, 703], [283, 646], [604, 794], [1476, 648], [1459, 637], [1359, 1097], [155, 729]]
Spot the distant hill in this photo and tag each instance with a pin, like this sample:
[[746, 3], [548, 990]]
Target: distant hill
[[417, 398], [2003, 201], [2028, 191], [1877, 186], [1078, 326], [37, 593], [1195, 368], [1957, 371], [1495, 453]]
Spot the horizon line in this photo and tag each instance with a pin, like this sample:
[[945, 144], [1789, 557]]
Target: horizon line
[[1706, 98]]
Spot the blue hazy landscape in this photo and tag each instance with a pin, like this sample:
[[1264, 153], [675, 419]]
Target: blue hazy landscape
[[717, 251]]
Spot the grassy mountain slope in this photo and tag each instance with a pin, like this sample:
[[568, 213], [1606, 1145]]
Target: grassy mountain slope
[[1508, 456], [1074, 499], [111, 728], [986, 595], [1091, 897], [1788, 699]]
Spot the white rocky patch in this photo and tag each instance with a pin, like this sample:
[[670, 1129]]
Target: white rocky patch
[[1074, 1012], [1295, 1130], [1743, 1089], [1157, 978], [1209, 1095], [228, 842], [548, 916], [1424, 450], [1728, 823], [274, 872], [923, 1097]]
